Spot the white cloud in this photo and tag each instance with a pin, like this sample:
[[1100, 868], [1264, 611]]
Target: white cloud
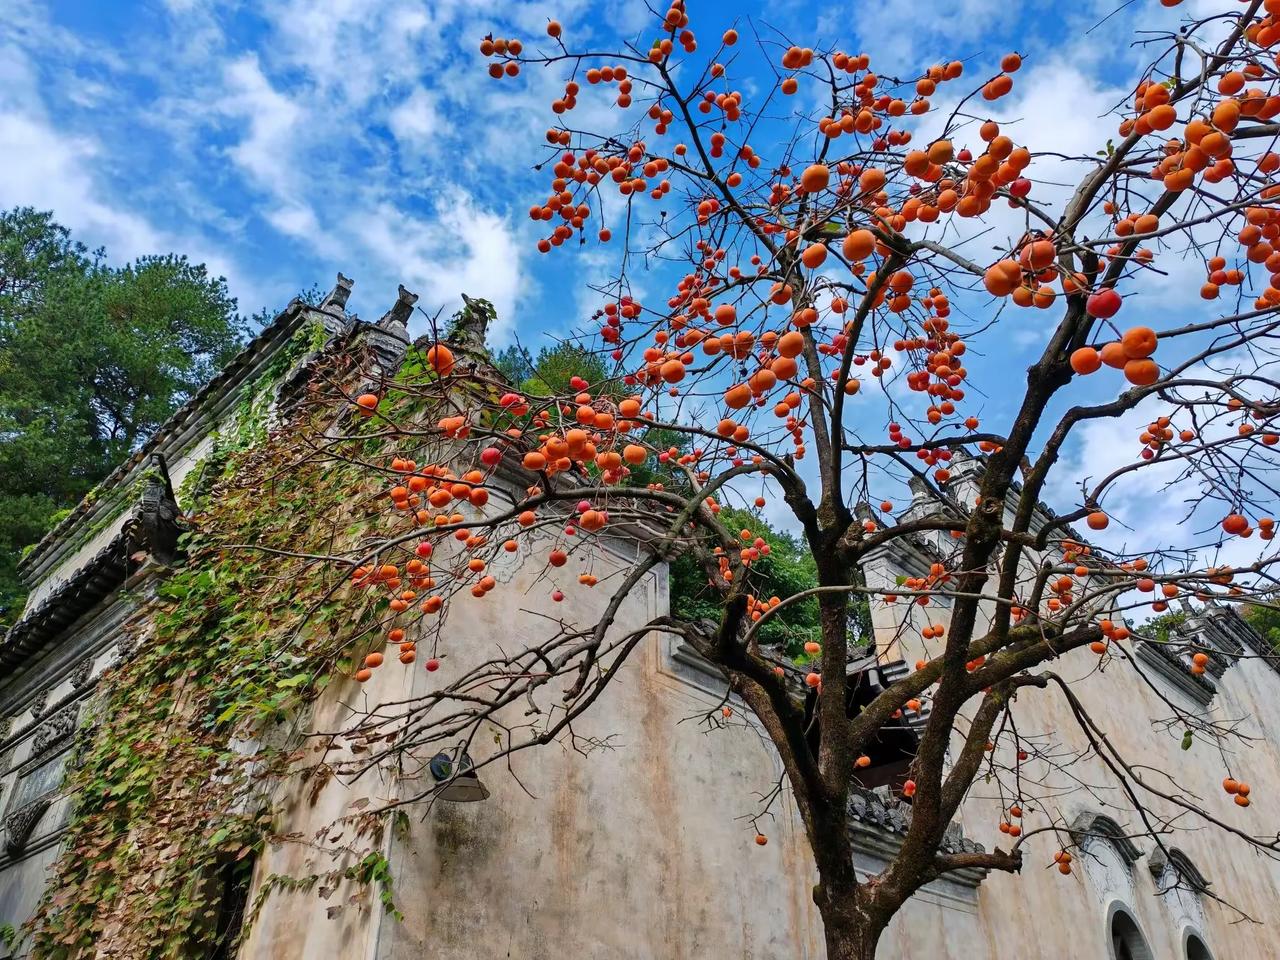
[[461, 248], [1155, 506], [53, 170], [271, 120], [47, 170], [294, 220], [416, 121]]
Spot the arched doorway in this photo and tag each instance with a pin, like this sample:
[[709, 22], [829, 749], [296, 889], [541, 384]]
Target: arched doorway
[[1125, 938]]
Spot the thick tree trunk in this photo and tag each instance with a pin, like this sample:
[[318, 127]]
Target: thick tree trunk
[[851, 940], [850, 928]]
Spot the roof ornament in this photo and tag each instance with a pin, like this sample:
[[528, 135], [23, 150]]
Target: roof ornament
[[336, 300], [921, 495], [396, 320], [470, 326]]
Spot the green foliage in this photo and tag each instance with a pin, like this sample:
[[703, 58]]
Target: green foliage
[[169, 791], [92, 359], [1164, 626], [788, 569], [549, 374], [250, 426], [1266, 620]]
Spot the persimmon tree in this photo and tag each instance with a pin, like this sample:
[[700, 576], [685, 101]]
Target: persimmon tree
[[824, 256]]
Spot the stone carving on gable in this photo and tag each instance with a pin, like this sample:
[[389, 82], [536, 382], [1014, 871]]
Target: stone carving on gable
[[40, 777], [1178, 884], [55, 730], [125, 646], [39, 703], [80, 749], [81, 674], [1108, 854], [1106, 870]]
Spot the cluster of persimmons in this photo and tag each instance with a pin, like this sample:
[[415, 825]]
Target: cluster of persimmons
[[779, 322]]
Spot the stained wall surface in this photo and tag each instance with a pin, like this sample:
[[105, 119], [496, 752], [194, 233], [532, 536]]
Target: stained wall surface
[[634, 839], [643, 848]]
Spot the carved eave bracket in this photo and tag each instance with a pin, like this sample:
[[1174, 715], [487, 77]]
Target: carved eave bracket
[[157, 524]]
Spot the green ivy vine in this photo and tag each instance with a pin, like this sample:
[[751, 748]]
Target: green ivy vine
[[197, 731]]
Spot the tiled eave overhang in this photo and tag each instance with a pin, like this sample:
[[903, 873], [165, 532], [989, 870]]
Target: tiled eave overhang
[[88, 586]]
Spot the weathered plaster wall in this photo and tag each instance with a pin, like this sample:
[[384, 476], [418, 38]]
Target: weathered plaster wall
[[1036, 913], [630, 851], [637, 851]]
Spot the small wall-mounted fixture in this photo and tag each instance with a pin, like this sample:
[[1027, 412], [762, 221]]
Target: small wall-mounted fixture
[[460, 783]]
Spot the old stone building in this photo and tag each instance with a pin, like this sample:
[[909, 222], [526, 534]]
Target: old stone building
[[640, 851]]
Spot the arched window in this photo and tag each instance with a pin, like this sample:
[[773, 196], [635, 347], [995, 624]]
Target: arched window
[[1196, 950], [1127, 942]]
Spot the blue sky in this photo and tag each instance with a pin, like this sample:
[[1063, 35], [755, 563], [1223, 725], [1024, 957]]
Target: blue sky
[[281, 141]]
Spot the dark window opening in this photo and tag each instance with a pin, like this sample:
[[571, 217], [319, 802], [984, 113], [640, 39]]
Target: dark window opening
[[1196, 950], [231, 885], [1127, 942]]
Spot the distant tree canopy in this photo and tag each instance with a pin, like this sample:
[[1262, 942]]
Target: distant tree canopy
[[551, 370], [1164, 627], [786, 570], [93, 358], [1266, 620], [1262, 617]]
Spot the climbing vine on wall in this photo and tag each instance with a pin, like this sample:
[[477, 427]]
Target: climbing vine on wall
[[200, 721]]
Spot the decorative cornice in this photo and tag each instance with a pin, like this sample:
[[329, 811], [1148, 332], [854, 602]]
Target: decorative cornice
[[88, 586], [19, 824], [879, 825], [1091, 824], [1170, 667], [1183, 868]]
